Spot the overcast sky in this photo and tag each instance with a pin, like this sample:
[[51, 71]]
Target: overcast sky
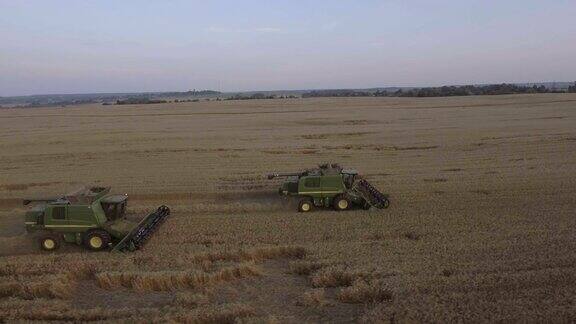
[[73, 46]]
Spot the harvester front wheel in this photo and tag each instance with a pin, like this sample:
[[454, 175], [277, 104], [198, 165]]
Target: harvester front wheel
[[97, 240], [49, 243], [305, 205], [341, 202]]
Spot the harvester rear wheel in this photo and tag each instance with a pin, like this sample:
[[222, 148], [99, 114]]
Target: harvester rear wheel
[[97, 240], [305, 205], [49, 243], [341, 202]]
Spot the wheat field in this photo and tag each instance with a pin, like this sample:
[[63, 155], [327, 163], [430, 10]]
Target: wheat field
[[481, 226]]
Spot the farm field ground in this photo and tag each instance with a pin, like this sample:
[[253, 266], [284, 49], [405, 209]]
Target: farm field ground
[[481, 227]]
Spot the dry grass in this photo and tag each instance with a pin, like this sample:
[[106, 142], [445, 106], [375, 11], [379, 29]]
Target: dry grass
[[365, 292], [475, 233], [187, 299], [436, 180], [268, 319], [251, 255], [315, 297], [412, 236], [173, 280], [334, 135], [52, 287], [334, 277], [219, 314], [305, 267], [49, 311]]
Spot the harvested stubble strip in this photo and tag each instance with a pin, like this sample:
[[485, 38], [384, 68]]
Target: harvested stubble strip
[[42, 310], [365, 292], [7, 269], [14, 303], [275, 252], [189, 299], [173, 280], [335, 277], [305, 267], [34, 313], [50, 287], [47, 285], [227, 313], [314, 297], [77, 267]]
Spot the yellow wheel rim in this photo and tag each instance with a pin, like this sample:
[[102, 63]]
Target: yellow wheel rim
[[343, 204], [305, 207], [49, 244], [96, 242]]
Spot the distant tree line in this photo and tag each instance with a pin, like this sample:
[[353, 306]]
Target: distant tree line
[[62, 100], [445, 91], [139, 101], [338, 93], [572, 88], [37, 104], [192, 93], [470, 90], [258, 95], [186, 100]]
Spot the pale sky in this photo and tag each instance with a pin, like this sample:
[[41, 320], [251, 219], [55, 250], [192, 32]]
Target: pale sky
[[86, 46]]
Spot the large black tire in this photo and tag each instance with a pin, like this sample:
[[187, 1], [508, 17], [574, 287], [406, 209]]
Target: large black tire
[[341, 202], [97, 240], [49, 242], [305, 205]]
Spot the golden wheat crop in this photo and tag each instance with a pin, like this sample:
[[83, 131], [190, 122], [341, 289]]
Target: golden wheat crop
[[481, 227]]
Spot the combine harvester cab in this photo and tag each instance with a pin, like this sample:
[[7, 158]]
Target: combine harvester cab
[[91, 217], [330, 185]]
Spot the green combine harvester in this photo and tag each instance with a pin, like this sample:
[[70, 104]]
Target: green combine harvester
[[91, 217], [330, 185]]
